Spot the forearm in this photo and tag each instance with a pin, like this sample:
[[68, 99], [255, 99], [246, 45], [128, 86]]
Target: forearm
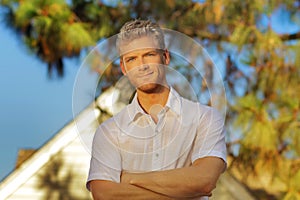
[[175, 183], [193, 181], [106, 190]]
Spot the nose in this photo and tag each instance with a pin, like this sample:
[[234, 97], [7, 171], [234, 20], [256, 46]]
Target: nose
[[143, 67]]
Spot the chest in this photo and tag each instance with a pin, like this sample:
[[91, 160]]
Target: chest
[[165, 145]]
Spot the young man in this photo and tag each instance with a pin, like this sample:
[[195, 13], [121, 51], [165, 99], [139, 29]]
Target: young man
[[160, 146]]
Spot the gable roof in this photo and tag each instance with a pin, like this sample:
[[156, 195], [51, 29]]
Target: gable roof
[[62, 139]]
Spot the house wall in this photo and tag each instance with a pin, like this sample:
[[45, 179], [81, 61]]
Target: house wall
[[63, 176]]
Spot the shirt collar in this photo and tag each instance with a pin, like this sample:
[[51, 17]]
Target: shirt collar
[[174, 101], [174, 104]]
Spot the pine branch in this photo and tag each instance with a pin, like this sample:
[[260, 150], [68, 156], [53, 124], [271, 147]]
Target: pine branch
[[211, 36], [221, 37], [294, 36]]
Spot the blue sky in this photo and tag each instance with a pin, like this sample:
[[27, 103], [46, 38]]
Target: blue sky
[[32, 107]]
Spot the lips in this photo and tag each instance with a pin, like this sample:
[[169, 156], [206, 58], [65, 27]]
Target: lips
[[145, 75]]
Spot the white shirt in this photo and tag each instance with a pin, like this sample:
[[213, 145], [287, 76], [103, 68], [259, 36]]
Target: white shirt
[[131, 141]]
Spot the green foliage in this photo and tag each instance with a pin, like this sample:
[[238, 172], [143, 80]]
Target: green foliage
[[262, 136], [292, 183], [75, 37], [242, 35], [24, 14], [50, 29]]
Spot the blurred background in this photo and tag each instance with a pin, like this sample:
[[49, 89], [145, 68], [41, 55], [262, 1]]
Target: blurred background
[[255, 44]]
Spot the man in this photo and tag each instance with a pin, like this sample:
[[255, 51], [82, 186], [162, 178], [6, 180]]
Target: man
[[160, 146]]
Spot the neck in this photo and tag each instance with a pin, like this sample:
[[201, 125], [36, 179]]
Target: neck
[[152, 101]]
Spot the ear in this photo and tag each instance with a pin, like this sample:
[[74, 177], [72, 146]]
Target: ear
[[122, 66], [166, 56]]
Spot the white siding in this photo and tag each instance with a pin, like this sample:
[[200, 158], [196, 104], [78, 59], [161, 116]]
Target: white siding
[[73, 161]]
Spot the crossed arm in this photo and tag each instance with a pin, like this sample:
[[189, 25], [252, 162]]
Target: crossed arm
[[183, 183]]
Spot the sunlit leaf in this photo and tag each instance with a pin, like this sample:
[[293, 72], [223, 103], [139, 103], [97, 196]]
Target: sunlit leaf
[[292, 195], [262, 135], [75, 37], [25, 12]]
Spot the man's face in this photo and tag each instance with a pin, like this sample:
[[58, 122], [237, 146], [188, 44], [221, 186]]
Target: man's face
[[144, 64]]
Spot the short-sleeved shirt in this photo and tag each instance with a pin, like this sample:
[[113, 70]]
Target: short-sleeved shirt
[[131, 141]]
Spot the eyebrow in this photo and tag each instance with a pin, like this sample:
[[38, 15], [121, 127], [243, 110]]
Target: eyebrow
[[152, 51], [145, 53]]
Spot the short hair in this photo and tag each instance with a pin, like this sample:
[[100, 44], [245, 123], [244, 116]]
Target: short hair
[[138, 28]]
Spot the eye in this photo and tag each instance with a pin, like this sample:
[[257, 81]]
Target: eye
[[151, 54], [130, 59]]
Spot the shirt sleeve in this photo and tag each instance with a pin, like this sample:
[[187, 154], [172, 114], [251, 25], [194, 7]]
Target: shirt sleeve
[[105, 159], [210, 137]]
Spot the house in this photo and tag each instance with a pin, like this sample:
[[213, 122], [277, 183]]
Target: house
[[58, 170]]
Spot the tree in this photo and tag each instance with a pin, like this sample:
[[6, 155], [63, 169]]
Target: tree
[[54, 30], [261, 66]]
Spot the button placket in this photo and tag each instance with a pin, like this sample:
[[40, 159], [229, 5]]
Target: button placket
[[157, 154], [157, 158]]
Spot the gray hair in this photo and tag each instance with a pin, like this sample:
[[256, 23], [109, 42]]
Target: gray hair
[[138, 28]]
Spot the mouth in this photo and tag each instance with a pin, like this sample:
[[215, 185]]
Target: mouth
[[146, 75]]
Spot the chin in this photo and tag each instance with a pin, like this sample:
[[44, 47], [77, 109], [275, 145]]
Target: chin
[[149, 88]]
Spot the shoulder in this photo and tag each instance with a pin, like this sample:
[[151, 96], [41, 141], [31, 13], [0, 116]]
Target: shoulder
[[116, 120], [193, 106], [199, 111]]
